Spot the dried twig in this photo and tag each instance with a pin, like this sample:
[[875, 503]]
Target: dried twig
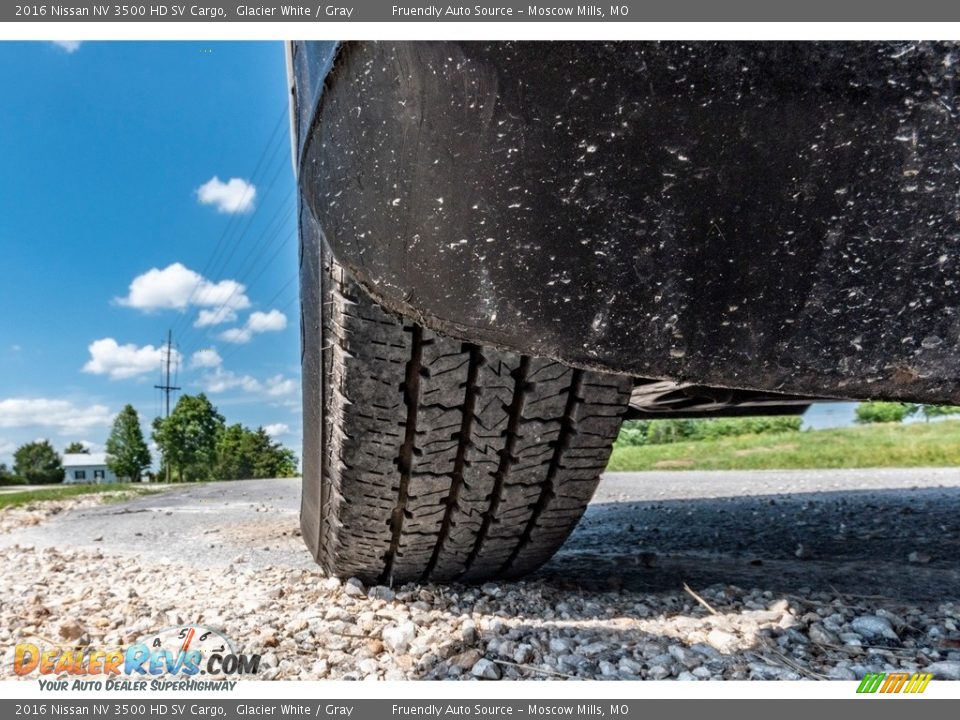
[[533, 668], [700, 600], [783, 659], [861, 597]]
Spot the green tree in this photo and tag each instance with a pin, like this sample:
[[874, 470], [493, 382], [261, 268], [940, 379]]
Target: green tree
[[884, 412], [7, 477], [271, 459], [38, 463], [127, 452], [76, 448], [233, 461], [932, 411], [244, 454], [188, 438]]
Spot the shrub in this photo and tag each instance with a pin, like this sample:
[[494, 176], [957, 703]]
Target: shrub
[[884, 412], [8, 478], [932, 411], [660, 432]]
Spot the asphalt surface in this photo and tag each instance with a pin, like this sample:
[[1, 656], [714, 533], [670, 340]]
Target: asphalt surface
[[893, 533]]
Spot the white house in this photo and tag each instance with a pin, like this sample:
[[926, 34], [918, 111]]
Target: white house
[[87, 468]]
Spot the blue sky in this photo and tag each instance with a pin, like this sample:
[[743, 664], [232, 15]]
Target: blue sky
[[123, 167]]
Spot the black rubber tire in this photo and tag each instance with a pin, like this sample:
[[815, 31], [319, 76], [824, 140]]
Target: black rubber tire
[[442, 460]]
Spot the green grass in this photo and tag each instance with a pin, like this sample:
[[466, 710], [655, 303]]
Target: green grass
[[888, 445], [63, 492]]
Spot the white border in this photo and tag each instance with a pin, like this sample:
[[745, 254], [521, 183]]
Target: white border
[[581, 691], [220, 30], [554, 690]]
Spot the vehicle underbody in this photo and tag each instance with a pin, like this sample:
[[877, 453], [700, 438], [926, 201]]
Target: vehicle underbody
[[599, 231]]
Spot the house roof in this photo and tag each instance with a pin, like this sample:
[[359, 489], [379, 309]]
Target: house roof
[[84, 459]]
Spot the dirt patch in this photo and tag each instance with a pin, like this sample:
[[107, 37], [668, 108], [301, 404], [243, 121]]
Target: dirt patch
[[783, 447], [34, 513], [667, 464]]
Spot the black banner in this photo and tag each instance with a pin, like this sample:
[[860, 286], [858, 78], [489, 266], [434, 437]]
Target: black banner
[[786, 709], [496, 11]]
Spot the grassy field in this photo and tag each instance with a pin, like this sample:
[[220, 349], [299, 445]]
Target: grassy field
[[886, 445], [63, 492]]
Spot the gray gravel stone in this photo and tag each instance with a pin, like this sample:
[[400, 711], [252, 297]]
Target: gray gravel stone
[[380, 592], [944, 670], [354, 588], [486, 669], [873, 626]]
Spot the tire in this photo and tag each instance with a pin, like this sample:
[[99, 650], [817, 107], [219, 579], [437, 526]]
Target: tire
[[441, 460]]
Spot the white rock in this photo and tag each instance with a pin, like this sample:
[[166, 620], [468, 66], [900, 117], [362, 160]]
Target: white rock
[[723, 641], [397, 638], [368, 666], [468, 632], [330, 584]]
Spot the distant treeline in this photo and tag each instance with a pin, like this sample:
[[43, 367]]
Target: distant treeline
[[662, 432]]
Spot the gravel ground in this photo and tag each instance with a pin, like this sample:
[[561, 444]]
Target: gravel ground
[[586, 615], [32, 514]]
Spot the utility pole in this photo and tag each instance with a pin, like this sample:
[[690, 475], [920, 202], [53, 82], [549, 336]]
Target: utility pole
[[167, 387]]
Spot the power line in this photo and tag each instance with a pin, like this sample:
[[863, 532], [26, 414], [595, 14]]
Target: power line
[[263, 269], [277, 216], [233, 351], [249, 267], [166, 387], [234, 220], [283, 288]]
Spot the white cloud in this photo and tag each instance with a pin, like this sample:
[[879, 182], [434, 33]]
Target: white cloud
[[233, 196], [108, 357], [177, 287], [68, 46], [279, 385], [276, 429], [61, 415], [258, 322], [237, 336], [208, 358], [222, 380], [272, 321], [206, 318], [16, 348]]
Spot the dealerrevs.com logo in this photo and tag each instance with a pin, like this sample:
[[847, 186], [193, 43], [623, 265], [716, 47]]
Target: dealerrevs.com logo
[[893, 683], [171, 659]]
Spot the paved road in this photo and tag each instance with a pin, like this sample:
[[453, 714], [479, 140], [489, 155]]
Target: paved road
[[788, 531]]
